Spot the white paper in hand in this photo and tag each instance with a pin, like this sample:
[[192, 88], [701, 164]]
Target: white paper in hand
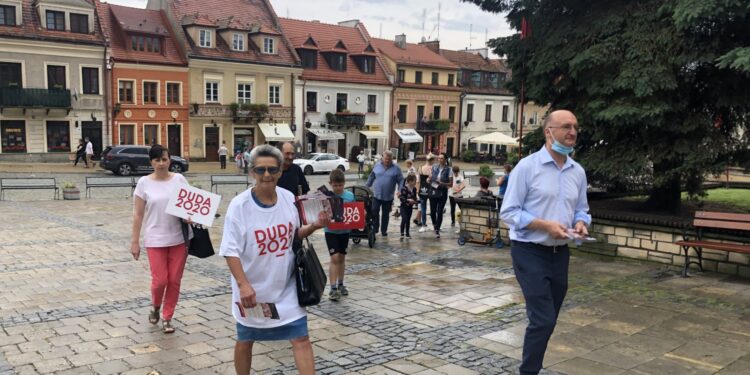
[[189, 202]]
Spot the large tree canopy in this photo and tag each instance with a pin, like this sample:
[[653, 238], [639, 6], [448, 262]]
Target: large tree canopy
[[661, 88]]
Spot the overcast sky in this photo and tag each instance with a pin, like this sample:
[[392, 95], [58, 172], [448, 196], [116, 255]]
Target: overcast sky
[[462, 25]]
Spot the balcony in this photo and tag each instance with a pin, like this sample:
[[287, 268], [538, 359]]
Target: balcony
[[12, 97], [346, 119], [434, 126], [210, 110]]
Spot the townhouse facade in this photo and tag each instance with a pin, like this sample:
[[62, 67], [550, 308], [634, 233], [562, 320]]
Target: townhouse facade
[[52, 86], [425, 98], [149, 76], [241, 73], [487, 106], [344, 91]]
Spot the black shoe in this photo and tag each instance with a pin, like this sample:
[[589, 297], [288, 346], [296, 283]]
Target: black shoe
[[408, 236]]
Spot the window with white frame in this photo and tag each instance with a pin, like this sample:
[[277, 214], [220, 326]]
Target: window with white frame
[[274, 94], [244, 92], [204, 38], [269, 46], [212, 91], [238, 42]]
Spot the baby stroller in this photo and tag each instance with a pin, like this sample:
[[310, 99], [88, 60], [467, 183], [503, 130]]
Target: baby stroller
[[363, 194]]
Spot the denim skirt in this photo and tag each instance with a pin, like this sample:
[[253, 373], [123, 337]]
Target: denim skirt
[[292, 330]]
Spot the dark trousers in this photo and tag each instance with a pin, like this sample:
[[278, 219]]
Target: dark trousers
[[361, 167], [223, 161], [81, 157], [378, 218], [437, 205], [406, 218], [453, 210], [542, 273]]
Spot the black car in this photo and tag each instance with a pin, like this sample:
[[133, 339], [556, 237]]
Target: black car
[[125, 160]]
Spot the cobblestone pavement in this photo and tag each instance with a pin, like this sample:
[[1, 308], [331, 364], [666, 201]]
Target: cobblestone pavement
[[72, 301]]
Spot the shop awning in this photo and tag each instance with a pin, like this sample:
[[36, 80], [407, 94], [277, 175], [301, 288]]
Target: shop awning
[[495, 138], [409, 136], [327, 134], [372, 134], [277, 132]]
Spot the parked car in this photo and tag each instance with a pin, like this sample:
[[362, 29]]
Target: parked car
[[125, 160], [321, 162]]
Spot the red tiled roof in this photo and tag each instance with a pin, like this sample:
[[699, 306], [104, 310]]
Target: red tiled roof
[[253, 16], [327, 37], [119, 21], [32, 28], [475, 62], [412, 54]]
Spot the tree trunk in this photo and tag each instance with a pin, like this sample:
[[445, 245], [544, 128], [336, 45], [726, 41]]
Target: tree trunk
[[665, 198]]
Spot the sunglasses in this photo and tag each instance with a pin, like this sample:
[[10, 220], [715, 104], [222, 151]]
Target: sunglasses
[[263, 170]]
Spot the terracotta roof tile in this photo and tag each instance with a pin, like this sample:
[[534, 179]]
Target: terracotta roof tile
[[475, 62], [118, 22], [32, 28], [253, 16], [412, 54], [331, 38]]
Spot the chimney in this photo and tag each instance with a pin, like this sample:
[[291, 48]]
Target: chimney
[[349, 23], [433, 45], [484, 52], [401, 41]]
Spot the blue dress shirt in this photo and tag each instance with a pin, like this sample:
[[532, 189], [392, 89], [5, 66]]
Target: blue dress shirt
[[538, 189], [385, 181]]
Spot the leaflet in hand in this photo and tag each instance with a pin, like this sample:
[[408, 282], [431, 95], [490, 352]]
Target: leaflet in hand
[[263, 310], [311, 205], [578, 238]]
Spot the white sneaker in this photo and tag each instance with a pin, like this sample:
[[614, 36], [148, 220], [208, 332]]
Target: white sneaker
[[458, 231], [423, 229]]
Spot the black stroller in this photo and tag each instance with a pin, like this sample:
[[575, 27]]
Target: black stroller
[[363, 194]]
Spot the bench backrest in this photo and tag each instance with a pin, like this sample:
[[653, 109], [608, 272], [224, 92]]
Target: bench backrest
[[110, 180], [228, 178], [28, 181], [721, 220]]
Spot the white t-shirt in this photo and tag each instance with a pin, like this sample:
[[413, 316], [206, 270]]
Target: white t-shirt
[[262, 239], [159, 228], [223, 150], [89, 148], [457, 181]]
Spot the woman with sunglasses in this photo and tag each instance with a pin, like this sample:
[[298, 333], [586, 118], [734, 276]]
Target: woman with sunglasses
[[259, 227]]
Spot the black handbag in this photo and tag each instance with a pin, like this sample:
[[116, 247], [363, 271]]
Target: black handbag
[[308, 273], [200, 245]]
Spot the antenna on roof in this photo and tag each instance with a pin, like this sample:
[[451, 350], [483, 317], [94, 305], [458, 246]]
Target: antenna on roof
[[438, 25], [424, 17], [471, 26]]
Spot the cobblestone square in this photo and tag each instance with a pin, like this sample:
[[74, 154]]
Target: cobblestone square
[[74, 302]]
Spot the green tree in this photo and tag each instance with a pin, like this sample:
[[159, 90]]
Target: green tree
[[661, 88]]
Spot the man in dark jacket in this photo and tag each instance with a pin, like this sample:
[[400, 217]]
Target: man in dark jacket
[[292, 177]]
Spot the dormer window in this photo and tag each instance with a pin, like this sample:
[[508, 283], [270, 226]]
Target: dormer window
[[7, 15], [366, 64], [337, 61], [204, 38], [79, 23], [238, 42], [309, 58], [55, 20], [145, 43], [269, 46]]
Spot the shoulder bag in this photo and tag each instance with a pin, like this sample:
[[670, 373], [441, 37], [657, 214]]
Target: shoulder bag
[[308, 273], [200, 245]]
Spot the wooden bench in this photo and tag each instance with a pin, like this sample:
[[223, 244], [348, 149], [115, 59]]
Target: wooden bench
[[223, 179], [28, 183], [96, 182], [713, 220]]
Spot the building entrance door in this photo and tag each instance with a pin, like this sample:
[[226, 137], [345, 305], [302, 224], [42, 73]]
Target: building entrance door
[[174, 139], [212, 143], [93, 130]]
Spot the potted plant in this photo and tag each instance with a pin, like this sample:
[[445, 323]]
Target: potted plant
[[71, 192]]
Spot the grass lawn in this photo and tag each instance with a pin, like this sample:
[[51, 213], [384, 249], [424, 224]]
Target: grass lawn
[[739, 198], [724, 200]]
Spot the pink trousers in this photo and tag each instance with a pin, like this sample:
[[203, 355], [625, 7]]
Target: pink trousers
[[167, 265]]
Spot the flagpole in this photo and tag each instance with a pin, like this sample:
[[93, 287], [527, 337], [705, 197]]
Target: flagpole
[[520, 126]]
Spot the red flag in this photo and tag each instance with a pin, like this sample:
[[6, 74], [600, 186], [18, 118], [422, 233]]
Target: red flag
[[525, 29]]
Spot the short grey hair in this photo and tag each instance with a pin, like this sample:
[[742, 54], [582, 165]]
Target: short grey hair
[[388, 152], [265, 151]]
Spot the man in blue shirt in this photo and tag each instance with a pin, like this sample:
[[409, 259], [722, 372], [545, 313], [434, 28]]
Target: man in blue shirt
[[385, 178], [545, 205]]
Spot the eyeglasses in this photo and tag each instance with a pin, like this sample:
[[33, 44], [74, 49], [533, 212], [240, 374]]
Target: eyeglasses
[[567, 128], [263, 170]]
